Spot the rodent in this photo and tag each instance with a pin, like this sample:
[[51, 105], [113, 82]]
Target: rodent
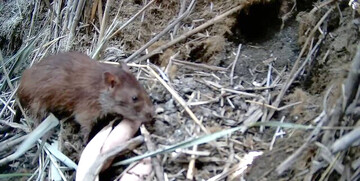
[[79, 86]]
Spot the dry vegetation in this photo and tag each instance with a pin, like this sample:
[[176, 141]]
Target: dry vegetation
[[272, 77]]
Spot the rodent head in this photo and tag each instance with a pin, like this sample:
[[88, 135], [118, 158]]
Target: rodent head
[[124, 95]]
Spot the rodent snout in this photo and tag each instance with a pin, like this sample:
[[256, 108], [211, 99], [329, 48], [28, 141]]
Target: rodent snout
[[149, 115]]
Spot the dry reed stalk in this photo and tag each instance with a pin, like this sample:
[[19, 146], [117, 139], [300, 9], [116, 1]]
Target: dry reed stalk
[[57, 8], [79, 8], [104, 20], [72, 4], [234, 64], [272, 107], [181, 11], [199, 65], [12, 142], [191, 168], [34, 15], [93, 10], [65, 22], [100, 10]]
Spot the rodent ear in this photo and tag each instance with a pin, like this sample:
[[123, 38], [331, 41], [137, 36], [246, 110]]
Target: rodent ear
[[110, 79], [124, 67]]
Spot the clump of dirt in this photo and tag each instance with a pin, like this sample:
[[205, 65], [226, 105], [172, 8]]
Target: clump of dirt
[[328, 70], [263, 168], [12, 25], [332, 65], [307, 108], [161, 59], [203, 51]]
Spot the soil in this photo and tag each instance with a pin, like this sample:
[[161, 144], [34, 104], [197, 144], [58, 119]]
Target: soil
[[266, 41]]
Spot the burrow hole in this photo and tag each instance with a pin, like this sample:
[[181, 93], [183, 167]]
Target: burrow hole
[[257, 23]]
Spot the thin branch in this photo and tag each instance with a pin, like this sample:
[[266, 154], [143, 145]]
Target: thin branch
[[199, 65], [234, 64]]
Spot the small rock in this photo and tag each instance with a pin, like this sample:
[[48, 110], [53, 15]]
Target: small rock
[[159, 110], [356, 22], [187, 90], [230, 122], [170, 104]]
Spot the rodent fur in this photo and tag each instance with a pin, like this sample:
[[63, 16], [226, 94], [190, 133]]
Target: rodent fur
[[74, 84]]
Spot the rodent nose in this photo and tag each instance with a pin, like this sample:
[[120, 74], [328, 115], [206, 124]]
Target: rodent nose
[[149, 116]]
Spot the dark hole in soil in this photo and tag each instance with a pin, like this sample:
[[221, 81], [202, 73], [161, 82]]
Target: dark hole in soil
[[258, 23], [139, 2], [304, 5], [196, 54]]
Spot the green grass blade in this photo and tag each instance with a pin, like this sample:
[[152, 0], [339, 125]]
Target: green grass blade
[[11, 175], [283, 125], [184, 144]]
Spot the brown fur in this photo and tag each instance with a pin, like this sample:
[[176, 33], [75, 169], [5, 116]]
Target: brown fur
[[75, 84]]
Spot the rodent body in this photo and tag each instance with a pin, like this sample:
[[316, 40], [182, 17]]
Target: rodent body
[[75, 84]]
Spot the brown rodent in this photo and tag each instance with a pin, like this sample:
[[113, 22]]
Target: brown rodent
[[75, 84]]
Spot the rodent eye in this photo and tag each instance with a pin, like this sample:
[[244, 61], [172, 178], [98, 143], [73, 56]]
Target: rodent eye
[[134, 98]]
